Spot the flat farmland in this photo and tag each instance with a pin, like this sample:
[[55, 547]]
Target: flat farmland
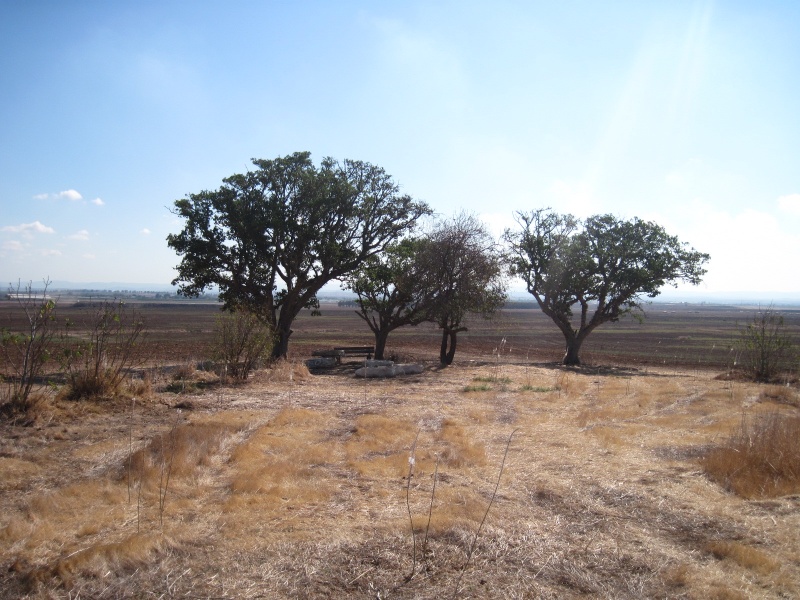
[[502, 476], [672, 335]]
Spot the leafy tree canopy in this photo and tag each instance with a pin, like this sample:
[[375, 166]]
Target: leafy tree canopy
[[602, 267], [391, 292], [271, 238]]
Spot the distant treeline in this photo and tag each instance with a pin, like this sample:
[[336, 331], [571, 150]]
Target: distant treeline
[[510, 304]]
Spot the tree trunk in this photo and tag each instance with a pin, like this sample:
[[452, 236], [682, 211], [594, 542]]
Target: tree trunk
[[380, 344], [281, 348], [446, 355], [571, 357], [283, 330]]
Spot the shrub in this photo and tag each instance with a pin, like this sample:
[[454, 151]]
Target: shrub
[[97, 364], [760, 459], [27, 352], [241, 343], [765, 347]]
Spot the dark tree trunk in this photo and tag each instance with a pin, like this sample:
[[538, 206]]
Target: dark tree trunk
[[283, 330], [571, 357], [446, 354], [281, 348], [380, 344]]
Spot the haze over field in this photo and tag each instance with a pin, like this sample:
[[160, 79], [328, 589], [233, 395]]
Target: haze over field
[[684, 113]]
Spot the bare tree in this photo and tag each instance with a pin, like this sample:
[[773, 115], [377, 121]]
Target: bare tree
[[462, 262], [765, 346], [27, 352]]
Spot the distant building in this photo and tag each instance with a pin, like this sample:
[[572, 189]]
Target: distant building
[[29, 296]]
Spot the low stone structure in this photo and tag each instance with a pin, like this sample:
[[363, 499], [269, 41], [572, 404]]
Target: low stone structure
[[390, 370]]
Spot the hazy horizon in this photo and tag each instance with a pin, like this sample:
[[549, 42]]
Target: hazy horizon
[[683, 113]]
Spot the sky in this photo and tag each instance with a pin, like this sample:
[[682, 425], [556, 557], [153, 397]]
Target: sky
[[682, 112]]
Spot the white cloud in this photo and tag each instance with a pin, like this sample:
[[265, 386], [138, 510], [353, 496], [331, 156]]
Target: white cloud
[[575, 198], [497, 223], [98, 202], [70, 195], [749, 250], [28, 228], [88, 256], [51, 253], [675, 179], [790, 203], [12, 245], [145, 231], [81, 235]]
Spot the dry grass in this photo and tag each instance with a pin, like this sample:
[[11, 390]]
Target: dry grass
[[743, 555], [761, 458], [295, 486], [781, 394]]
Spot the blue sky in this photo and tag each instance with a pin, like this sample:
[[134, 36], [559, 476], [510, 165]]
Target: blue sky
[[685, 113]]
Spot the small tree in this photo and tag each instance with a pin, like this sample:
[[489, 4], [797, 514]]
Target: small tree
[[27, 352], [391, 292], [765, 346], [603, 266], [462, 264], [241, 343], [98, 363]]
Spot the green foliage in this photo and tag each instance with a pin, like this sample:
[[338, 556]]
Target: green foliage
[[272, 237], [492, 379], [602, 266], [537, 388], [765, 347], [241, 343], [478, 387], [98, 363], [391, 291]]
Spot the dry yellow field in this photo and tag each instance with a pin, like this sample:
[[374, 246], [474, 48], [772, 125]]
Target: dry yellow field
[[521, 481]]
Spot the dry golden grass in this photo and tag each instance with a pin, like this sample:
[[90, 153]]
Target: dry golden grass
[[761, 458], [743, 555], [297, 486], [780, 394]]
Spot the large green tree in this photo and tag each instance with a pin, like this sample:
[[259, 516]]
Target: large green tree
[[272, 237], [391, 292], [464, 267], [603, 267]]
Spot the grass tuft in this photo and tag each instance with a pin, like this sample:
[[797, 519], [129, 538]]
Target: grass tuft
[[743, 555], [537, 388], [760, 459], [780, 394], [481, 387]]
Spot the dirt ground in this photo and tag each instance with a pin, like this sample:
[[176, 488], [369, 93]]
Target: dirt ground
[[498, 477]]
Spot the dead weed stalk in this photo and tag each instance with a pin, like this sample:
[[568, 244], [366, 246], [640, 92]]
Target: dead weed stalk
[[486, 514]]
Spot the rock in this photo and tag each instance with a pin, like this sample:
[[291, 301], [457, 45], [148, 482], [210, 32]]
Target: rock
[[388, 371], [321, 363], [410, 369], [378, 363]]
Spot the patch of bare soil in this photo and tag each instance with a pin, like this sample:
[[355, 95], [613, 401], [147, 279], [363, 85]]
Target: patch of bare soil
[[328, 486]]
